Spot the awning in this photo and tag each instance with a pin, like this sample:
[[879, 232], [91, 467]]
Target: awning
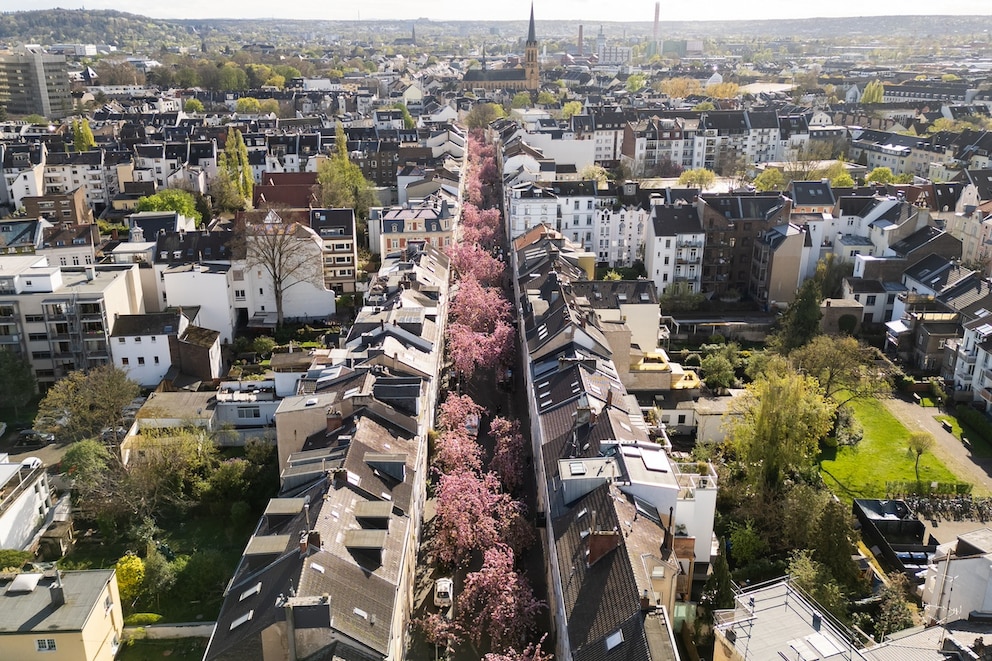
[[897, 327]]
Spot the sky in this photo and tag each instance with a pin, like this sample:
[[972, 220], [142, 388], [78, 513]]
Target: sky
[[577, 10]]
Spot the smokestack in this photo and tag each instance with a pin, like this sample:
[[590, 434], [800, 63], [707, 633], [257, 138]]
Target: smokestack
[[657, 14], [333, 421], [57, 591], [580, 40]]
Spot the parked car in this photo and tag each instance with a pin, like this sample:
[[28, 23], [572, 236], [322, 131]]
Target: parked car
[[443, 589], [34, 437]]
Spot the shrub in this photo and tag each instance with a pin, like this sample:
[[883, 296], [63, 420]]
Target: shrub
[[141, 619], [977, 421], [692, 360]]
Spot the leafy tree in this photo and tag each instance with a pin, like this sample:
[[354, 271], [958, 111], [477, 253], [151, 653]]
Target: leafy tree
[[17, 382], [680, 88], [193, 105], [595, 173], [718, 593], [263, 345], [770, 179], [833, 544], [86, 464], [570, 109], [815, 580], [746, 542], [546, 99], [880, 175], [699, 178], [497, 603], [704, 106], [247, 105], [280, 251], [160, 575], [801, 509], [725, 90], [408, 121], [483, 114], [874, 92], [472, 261], [234, 172], [82, 403], [845, 368], [781, 419], [130, 578], [82, 135], [679, 297], [521, 100], [269, 107], [342, 184], [801, 321], [171, 199], [635, 82], [920, 442], [718, 372], [895, 612], [204, 575]]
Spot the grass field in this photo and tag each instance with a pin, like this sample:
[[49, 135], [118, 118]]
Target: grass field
[[975, 443], [882, 456], [179, 649]]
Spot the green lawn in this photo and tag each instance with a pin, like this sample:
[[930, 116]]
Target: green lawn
[[179, 649], [882, 456], [978, 446]]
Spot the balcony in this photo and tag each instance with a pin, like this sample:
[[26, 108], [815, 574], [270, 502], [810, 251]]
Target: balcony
[[688, 260], [690, 244], [12, 338], [967, 357]]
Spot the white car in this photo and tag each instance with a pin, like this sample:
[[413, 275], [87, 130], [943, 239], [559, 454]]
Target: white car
[[443, 589]]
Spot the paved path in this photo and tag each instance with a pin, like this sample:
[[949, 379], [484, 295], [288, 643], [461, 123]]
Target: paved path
[[954, 454]]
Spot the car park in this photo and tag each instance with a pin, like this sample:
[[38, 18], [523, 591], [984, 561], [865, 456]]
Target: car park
[[34, 437]]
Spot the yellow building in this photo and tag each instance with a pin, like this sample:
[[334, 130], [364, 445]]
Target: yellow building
[[56, 616]]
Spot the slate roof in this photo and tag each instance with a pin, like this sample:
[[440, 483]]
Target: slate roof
[[33, 611], [152, 323], [675, 220], [607, 294], [809, 193]]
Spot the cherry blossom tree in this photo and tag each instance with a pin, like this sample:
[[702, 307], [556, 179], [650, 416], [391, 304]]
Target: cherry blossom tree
[[471, 260], [497, 603], [473, 514], [508, 458], [456, 410], [457, 452], [530, 653], [480, 226], [438, 630], [470, 350], [480, 308]]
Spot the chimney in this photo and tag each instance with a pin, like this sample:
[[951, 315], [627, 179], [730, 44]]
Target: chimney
[[609, 398], [645, 601], [334, 420], [599, 544], [304, 542], [580, 41], [592, 417], [57, 591]]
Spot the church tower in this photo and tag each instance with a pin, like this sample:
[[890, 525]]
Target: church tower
[[532, 69]]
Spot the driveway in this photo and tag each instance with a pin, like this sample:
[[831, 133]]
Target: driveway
[[948, 448]]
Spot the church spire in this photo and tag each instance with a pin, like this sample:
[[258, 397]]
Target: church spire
[[531, 32]]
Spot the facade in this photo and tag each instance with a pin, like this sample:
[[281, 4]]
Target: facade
[[431, 221], [336, 228], [675, 247], [61, 319], [61, 615], [34, 82], [25, 506]]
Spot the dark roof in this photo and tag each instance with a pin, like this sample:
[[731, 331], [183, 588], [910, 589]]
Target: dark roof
[[811, 193], [674, 220], [609, 294], [182, 247], [153, 323], [200, 337], [32, 610]]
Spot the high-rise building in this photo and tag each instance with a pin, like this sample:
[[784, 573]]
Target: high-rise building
[[35, 82]]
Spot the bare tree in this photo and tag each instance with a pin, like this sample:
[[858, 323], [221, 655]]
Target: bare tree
[[288, 253]]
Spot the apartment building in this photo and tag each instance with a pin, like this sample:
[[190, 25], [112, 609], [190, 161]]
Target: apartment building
[[33, 82]]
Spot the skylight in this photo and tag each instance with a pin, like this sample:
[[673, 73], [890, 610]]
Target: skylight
[[255, 589]]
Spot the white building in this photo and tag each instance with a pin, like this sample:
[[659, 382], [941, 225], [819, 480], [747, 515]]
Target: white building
[[25, 505], [674, 248], [958, 576]]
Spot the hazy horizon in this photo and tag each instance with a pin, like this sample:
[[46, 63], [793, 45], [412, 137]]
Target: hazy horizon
[[513, 10]]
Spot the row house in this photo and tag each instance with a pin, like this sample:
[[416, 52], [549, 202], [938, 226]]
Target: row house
[[675, 247], [99, 173], [352, 445], [147, 346], [780, 263], [609, 493], [60, 318], [654, 143], [23, 173], [336, 228], [69, 208], [431, 220]]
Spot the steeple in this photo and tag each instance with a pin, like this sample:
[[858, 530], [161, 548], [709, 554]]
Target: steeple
[[531, 32]]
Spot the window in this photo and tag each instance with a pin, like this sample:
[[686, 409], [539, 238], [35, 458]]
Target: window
[[45, 644], [666, 259], [249, 413], [156, 360], [141, 360], [121, 340], [125, 361], [153, 339], [239, 294], [870, 300], [108, 603], [682, 419], [668, 243], [137, 340], [261, 291]]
